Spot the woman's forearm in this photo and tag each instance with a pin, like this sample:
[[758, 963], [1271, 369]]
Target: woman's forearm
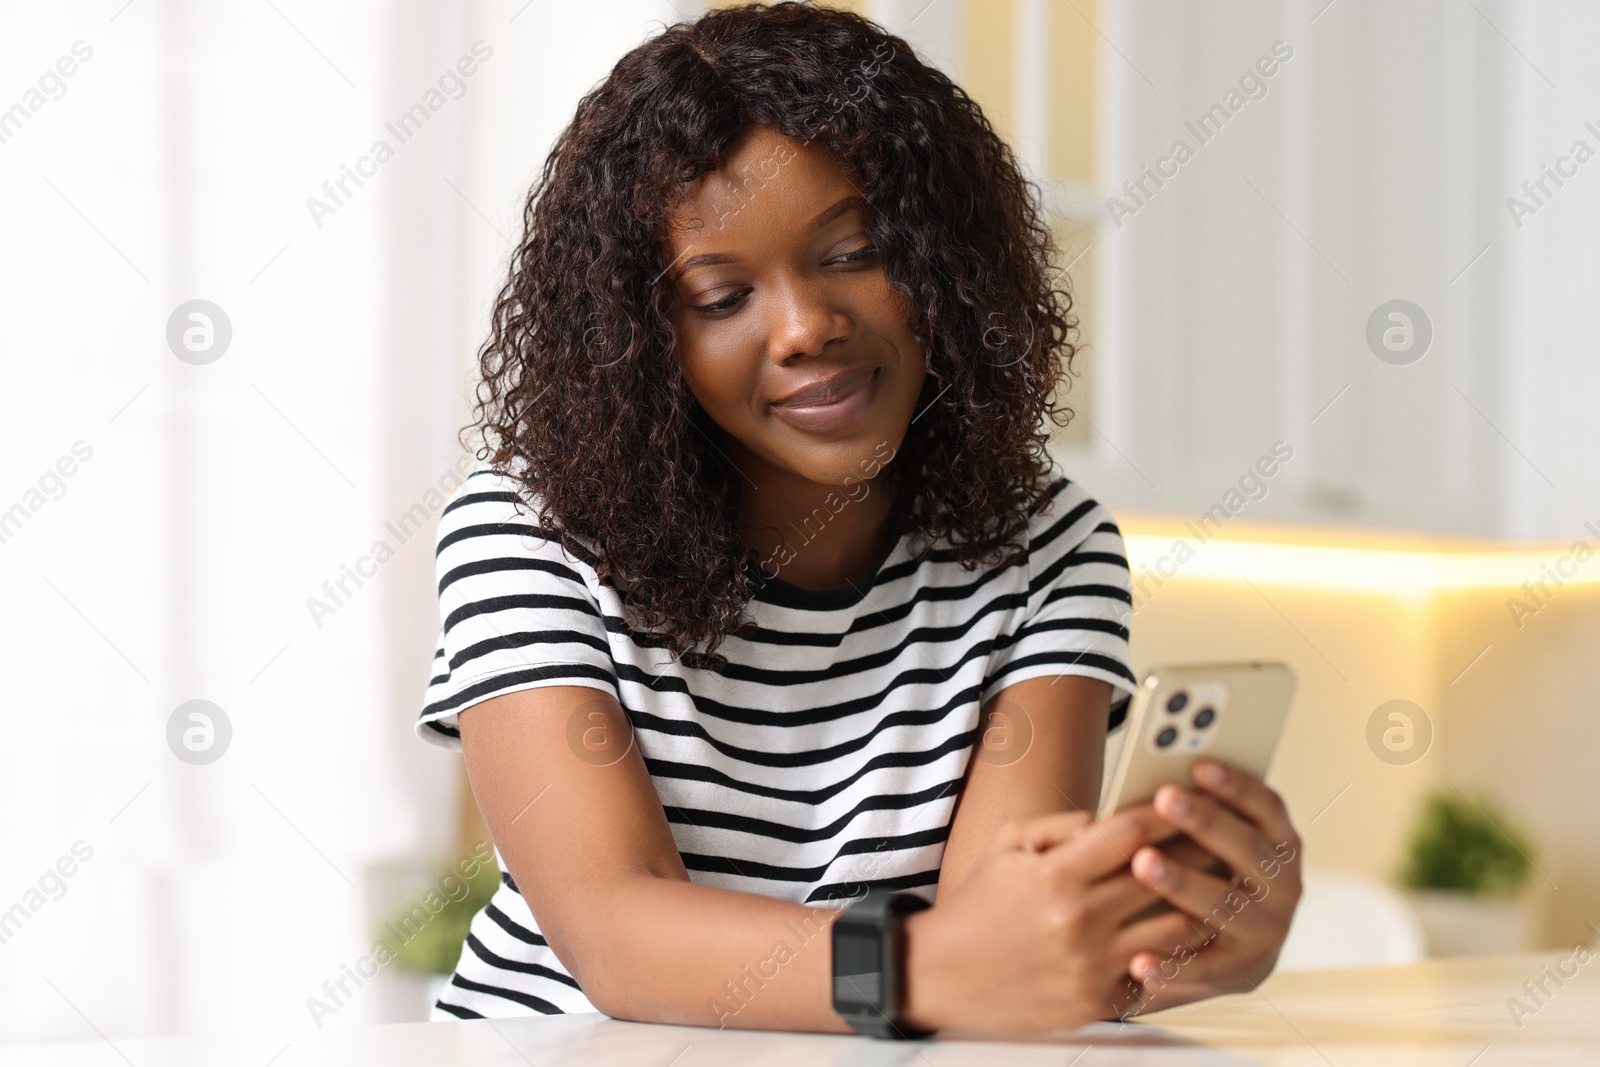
[[588, 843], [1040, 750], [669, 951]]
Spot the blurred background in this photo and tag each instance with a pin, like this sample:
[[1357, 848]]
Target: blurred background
[[1335, 269]]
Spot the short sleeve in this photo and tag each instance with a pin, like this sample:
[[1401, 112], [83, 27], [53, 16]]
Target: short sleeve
[[1079, 601], [517, 609]]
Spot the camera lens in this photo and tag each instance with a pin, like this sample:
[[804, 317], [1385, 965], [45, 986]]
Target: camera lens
[[1202, 720], [1166, 737], [1178, 701]]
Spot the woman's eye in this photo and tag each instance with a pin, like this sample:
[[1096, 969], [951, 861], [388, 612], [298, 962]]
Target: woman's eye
[[725, 304], [857, 256]]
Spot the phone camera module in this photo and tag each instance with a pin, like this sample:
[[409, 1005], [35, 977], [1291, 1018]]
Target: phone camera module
[[1204, 718], [1177, 702], [1165, 738]]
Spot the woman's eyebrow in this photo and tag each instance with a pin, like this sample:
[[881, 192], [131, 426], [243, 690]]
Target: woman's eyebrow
[[835, 211], [704, 259]]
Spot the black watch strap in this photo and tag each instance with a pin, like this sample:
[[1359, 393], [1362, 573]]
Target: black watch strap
[[869, 982]]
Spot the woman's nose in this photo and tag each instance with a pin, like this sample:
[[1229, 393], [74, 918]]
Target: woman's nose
[[802, 321]]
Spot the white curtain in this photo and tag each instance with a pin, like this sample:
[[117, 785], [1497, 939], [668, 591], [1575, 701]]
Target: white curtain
[[165, 522]]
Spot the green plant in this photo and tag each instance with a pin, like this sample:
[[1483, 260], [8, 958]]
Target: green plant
[[427, 936], [1466, 846]]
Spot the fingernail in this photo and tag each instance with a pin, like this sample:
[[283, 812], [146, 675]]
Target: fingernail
[[1154, 867], [1178, 804], [1210, 774]]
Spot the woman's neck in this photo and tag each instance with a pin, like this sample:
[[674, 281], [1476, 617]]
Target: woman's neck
[[813, 535]]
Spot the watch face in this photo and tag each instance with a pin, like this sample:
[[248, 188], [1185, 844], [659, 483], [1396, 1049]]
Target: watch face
[[857, 968]]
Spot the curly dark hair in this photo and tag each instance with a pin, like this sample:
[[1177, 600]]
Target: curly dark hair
[[582, 397]]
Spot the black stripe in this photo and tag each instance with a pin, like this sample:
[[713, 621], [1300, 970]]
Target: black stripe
[[877, 617], [748, 868], [538, 970], [844, 890], [887, 614], [527, 1000], [776, 831], [1105, 592], [443, 728], [489, 605], [514, 679], [521, 639], [697, 772], [1062, 525], [1075, 558], [496, 496], [512, 927], [1069, 659], [494, 529], [1103, 626], [761, 635], [507, 527], [456, 1010], [735, 713], [644, 720], [498, 564], [921, 635], [1119, 712]]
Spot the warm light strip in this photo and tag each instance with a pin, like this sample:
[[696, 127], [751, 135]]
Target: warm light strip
[[1402, 571]]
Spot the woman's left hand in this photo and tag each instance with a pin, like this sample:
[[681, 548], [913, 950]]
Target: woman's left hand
[[1227, 931]]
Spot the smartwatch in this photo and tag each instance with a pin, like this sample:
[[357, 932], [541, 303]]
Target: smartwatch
[[869, 979]]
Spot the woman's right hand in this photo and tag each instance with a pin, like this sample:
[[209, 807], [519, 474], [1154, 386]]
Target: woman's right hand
[[1037, 937]]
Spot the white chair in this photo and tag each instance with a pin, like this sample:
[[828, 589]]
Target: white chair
[[1349, 920]]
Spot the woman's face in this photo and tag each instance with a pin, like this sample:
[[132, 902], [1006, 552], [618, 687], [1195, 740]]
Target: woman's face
[[789, 332]]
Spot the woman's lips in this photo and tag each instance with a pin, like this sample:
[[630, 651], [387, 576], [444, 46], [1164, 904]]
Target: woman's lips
[[832, 406]]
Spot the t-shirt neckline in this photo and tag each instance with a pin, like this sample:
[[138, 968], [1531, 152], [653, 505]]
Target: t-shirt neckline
[[770, 589]]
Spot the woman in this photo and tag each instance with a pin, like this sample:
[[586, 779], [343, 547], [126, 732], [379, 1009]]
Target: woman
[[768, 592]]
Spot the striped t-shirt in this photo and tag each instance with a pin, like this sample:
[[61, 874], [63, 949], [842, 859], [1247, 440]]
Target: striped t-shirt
[[830, 749]]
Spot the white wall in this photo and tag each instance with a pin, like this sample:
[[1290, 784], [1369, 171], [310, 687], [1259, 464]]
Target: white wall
[[178, 562], [1377, 167]]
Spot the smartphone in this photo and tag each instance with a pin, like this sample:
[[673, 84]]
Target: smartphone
[[1228, 712]]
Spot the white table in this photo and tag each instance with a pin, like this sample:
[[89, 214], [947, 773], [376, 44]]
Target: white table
[[1446, 1013]]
